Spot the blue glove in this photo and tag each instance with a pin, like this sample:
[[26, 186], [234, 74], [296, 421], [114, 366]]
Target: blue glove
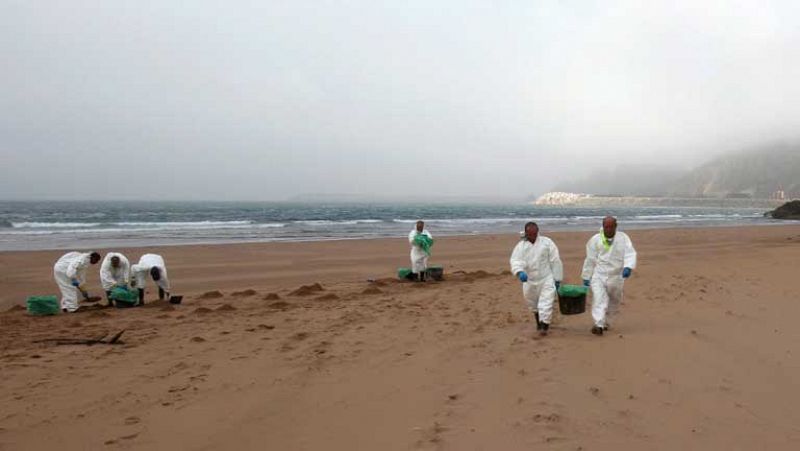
[[522, 276], [586, 282], [626, 272], [558, 284], [75, 283]]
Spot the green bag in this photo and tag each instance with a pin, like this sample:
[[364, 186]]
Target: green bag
[[403, 273], [572, 291], [43, 305], [124, 295], [425, 242]]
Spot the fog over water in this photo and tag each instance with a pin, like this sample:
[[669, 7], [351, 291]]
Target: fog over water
[[270, 100]]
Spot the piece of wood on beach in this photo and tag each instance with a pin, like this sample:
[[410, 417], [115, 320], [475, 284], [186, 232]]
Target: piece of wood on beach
[[83, 341]]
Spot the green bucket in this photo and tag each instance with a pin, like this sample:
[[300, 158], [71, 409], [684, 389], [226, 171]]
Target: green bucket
[[125, 296], [572, 299], [43, 305], [435, 272], [572, 291]]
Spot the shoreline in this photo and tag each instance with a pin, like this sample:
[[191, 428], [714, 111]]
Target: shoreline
[[195, 268], [135, 243]]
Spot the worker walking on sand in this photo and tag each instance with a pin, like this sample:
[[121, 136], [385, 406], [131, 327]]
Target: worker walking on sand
[[421, 241], [115, 271], [536, 263], [610, 259], [153, 265], [70, 274]]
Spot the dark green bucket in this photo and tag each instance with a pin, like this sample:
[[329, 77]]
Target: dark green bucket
[[404, 273], [43, 305], [435, 272], [572, 299], [124, 297]]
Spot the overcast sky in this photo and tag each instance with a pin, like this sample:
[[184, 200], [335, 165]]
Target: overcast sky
[[264, 100]]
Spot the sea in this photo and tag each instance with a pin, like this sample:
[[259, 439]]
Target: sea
[[86, 225]]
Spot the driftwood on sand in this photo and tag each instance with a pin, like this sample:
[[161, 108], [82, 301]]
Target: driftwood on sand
[[100, 340]]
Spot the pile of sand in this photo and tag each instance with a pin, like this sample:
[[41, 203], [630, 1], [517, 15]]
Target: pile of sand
[[307, 290]]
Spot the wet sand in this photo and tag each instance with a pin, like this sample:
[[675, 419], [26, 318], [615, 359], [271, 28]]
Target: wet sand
[[288, 346]]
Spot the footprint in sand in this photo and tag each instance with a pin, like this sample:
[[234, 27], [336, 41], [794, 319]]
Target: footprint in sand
[[271, 297], [281, 305], [211, 295], [327, 297], [202, 310], [547, 418], [226, 308], [259, 327], [124, 437], [244, 293], [431, 435], [372, 290], [132, 420]]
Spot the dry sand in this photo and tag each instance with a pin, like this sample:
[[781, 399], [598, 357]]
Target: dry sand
[[703, 356]]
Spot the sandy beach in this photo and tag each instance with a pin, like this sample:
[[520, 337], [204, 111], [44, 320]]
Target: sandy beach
[[316, 346]]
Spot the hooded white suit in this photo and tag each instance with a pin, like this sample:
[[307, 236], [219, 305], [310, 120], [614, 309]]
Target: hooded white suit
[[541, 262], [141, 270], [110, 276], [603, 268], [419, 259], [71, 266]]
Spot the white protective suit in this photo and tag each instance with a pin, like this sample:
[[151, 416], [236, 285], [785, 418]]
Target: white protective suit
[[141, 271], [110, 276], [540, 260], [71, 266], [419, 259], [603, 268]]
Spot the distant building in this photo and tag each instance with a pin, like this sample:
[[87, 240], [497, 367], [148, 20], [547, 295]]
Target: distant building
[[778, 194], [560, 198]]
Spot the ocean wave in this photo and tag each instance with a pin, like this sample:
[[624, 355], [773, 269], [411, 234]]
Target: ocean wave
[[127, 227], [172, 224], [459, 220], [485, 221], [657, 217], [181, 223], [324, 222], [53, 225]]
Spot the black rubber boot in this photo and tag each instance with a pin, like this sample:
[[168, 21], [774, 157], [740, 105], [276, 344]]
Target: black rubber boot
[[141, 296], [161, 294], [538, 323], [597, 330], [543, 329]]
